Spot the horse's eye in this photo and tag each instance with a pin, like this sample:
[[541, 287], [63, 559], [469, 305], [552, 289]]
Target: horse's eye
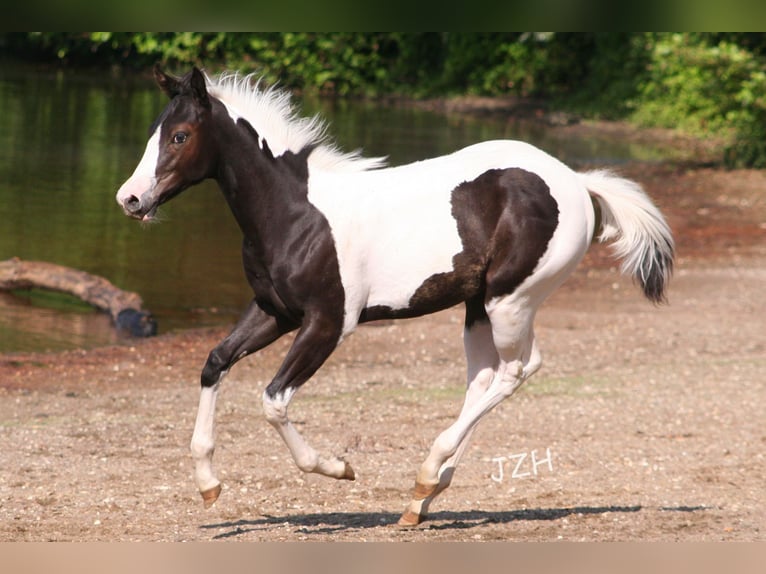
[[179, 138]]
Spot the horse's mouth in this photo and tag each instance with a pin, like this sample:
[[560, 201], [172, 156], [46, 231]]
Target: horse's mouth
[[144, 206], [140, 212], [150, 215]]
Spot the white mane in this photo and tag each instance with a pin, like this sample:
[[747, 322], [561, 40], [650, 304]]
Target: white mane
[[271, 113]]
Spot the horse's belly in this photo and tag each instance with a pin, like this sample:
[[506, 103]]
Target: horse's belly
[[405, 255]]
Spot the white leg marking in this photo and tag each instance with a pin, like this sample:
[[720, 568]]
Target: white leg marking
[[305, 457], [506, 380], [203, 441], [535, 360], [518, 359], [482, 362]]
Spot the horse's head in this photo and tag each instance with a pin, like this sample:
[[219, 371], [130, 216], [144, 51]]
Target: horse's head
[[178, 153]]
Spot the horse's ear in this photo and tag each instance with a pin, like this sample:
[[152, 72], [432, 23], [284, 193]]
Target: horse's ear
[[170, 85], [199, 87]]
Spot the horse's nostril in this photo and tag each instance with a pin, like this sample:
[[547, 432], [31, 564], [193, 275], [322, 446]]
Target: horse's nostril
[[132, 203]]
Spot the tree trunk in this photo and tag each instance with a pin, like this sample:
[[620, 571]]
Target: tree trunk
[[123, 306]]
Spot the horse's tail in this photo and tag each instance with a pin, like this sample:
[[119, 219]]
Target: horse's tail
[[642, 238]]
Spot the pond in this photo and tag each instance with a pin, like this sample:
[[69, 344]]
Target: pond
[[69, 139]]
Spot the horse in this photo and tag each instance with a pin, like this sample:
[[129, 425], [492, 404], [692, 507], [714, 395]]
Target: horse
[[333, 239]]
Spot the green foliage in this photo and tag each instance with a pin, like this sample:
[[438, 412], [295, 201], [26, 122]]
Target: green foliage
[[692, 86], [480, 63], [602, 73], [707, 84], [748, 148], [341, 63], [707, 90]]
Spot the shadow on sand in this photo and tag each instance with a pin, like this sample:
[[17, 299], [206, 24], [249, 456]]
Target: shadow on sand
[[347, 521]]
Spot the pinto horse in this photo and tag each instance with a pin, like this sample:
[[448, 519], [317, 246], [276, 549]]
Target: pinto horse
[[332, 240]]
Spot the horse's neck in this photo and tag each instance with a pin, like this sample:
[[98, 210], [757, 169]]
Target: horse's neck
[[266, 195]]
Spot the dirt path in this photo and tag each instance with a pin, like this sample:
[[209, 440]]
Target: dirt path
[[644, 424]]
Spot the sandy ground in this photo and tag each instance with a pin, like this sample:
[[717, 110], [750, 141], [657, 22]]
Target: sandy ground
[[645, 423]]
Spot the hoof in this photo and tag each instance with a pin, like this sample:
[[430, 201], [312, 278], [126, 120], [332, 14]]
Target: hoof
[[409, 519], [348, 472], [210, 495]]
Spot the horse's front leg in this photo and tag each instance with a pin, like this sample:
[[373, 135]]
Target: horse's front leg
[[317, 338], [254, 330]]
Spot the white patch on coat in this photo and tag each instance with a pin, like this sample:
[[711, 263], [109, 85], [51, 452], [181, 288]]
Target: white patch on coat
[[143, 179], [393, 228]]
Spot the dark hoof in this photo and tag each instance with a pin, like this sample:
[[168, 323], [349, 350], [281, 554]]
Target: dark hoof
[[348, 472]]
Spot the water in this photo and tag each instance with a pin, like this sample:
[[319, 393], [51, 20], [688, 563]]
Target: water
[[69, 139]]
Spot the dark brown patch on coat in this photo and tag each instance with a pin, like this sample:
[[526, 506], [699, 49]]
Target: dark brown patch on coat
[[523, 231], [505, 219]]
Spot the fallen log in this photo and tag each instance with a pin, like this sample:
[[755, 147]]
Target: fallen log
[[124, 307]]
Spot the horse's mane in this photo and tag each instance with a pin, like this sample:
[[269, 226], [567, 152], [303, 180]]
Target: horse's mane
[[270, 111]]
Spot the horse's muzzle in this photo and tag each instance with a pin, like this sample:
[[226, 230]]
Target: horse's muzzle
[[135, 208], [137, 196]]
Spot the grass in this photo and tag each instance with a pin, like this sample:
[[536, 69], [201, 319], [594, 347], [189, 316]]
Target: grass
[[572, 386], [53, 300]]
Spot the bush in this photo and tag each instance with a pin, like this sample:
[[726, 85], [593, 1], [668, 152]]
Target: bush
[[691, 86], [707, 90]]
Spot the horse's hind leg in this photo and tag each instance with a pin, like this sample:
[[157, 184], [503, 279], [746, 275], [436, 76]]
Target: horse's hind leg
[[514, 359], [481, 361]]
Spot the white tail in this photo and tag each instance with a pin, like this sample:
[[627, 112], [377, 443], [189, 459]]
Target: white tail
[[641, 236]]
